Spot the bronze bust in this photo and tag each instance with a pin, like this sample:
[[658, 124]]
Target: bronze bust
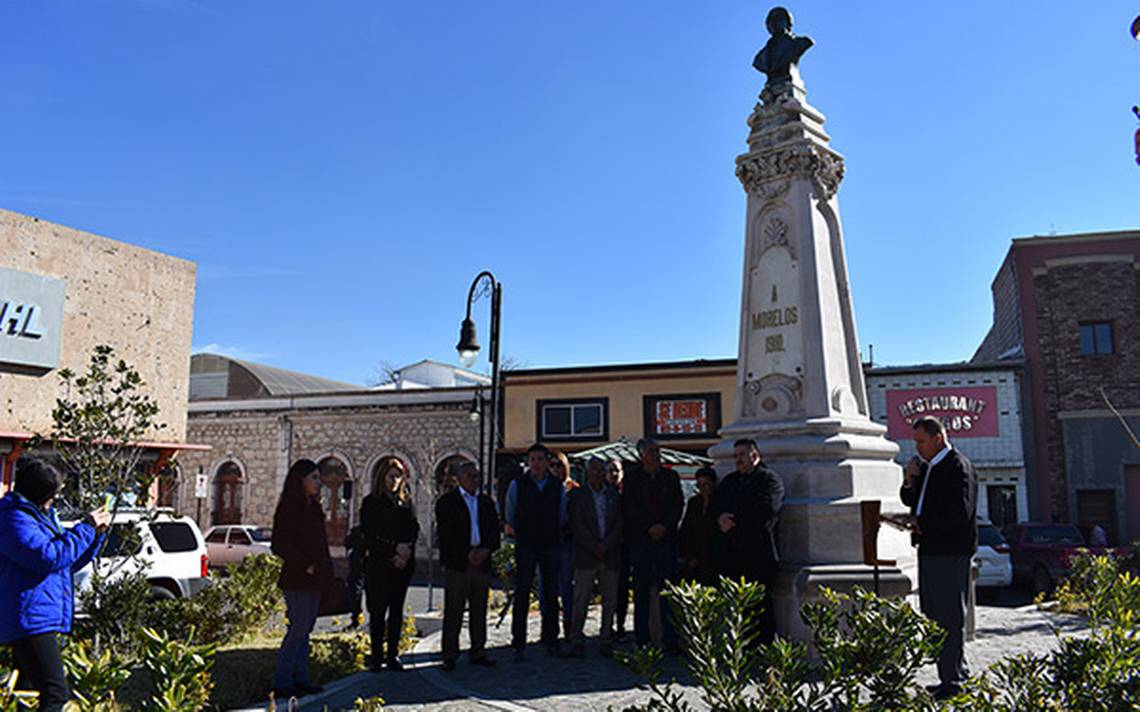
[[782, 51]]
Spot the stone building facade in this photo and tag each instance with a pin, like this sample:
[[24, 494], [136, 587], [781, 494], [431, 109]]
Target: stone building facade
[[352, 434], [1070, 306]]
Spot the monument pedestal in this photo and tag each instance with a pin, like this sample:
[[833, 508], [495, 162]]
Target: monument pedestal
[[800, 388]]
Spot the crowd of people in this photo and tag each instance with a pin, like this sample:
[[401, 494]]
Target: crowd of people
[[617, 530]]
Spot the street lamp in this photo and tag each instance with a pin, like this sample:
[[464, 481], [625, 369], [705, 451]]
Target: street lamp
[[468, 348]]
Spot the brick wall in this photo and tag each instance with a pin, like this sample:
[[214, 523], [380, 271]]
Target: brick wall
[[1067, 295]]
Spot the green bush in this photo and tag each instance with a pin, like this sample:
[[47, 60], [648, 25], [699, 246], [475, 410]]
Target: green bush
[[871, 649], [11, 699], [113, 610], [234, 607], [333, 656], [94, 678], [179, 673]]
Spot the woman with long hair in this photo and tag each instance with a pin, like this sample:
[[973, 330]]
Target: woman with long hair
[[299, 539], [560, 469], [391, 528]]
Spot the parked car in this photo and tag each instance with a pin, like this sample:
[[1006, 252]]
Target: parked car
[[992, 558], [168, 548], [231, 543], [1042, 553]]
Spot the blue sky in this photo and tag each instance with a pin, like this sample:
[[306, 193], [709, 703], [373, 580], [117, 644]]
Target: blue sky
[[341, 170]]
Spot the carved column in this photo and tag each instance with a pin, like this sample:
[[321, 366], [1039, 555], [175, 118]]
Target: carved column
[[800, 388]]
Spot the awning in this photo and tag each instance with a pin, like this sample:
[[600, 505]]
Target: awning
[[626, 451]]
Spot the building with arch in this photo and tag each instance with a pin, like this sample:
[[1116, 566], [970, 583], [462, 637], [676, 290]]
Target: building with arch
[[259, 419]]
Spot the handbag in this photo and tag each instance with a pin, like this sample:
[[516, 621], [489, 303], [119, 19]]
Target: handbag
[[334, 598]]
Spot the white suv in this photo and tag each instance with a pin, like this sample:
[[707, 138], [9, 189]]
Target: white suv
[[169, 549]]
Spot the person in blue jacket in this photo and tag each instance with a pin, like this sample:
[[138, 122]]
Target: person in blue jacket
[[38, 558]]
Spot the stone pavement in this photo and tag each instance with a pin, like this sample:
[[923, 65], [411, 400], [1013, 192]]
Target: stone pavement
[[595, 683]]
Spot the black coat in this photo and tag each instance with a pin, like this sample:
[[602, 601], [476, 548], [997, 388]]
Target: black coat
[[299, 539], [387, 523], [453, 522], [698, 535], [647, 501], [948, 522], [755, 500]]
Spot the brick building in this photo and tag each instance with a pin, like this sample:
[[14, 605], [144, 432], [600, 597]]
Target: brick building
[[1069, 305], [981, 406]]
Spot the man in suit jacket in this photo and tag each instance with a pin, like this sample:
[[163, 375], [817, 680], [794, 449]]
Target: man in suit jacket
[[746, 508], [942, 492], [468, 533], [596, 524]]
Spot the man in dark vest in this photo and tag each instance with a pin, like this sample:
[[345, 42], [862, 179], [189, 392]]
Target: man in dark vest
[[535, 512], [746, 507], [942, 491], [468, 535]]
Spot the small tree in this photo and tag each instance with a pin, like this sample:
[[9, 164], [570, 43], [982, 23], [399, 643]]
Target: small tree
[[98, 423]]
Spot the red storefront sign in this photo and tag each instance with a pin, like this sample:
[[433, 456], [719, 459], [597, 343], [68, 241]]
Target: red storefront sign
[[676, 417], [966, 412]]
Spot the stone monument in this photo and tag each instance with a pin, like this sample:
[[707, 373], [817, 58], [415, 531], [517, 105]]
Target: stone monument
[[800, 391]]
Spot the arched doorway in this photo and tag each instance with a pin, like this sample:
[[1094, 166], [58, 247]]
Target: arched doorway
[[334, 473], [444, 479], [228, 481]]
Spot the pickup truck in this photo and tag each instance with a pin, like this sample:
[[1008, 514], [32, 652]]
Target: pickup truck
[[1042, 553]]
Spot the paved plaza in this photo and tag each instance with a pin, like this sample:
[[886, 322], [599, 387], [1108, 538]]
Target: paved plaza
[[594, 683]]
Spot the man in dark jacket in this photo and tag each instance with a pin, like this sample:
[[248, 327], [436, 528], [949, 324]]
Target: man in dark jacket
[[942, 491], [468, 535], [746, 507], [536, 510], [652, 503], [596, 523]]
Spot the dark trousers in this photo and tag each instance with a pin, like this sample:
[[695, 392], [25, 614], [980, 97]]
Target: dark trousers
[[527, 556], [943, 586], [355, 584], [623, 588], [41, 669], [387, 587], [765, 617], [566, 583], [654, 563], [465, 589]]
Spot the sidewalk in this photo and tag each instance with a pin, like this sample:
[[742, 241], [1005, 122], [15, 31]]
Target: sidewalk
[[596, 683]]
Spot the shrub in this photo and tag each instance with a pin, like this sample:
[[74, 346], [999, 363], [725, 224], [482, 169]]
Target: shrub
[[333, 656], [408, 633], [233, 608], [372, 704], [113, 610], [94, 678], [11, 699], [871, 649], [179, 673]]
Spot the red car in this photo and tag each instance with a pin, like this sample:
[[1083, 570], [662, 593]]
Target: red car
[[1042, 553]]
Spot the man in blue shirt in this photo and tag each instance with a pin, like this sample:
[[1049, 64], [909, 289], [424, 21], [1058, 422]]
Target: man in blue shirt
[[535, 513]]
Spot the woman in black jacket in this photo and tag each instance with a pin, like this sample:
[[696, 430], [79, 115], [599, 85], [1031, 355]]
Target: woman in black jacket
[[391, 529], [299, 539], [698, 532]]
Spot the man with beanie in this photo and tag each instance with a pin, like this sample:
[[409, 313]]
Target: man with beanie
[[37, 562]]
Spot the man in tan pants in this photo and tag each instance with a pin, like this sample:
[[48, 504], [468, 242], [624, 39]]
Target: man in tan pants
[[596, 522]]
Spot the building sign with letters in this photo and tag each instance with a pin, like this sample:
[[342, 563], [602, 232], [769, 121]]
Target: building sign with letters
[[31, 319], [966, 412], [682, 416]]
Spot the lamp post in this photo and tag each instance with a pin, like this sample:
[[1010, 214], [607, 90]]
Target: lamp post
[[468, 348]]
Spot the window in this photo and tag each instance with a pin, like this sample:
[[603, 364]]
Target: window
[[218, 536], [174, 537], [239, 537], [1002, 501], [572, 420], [1096, 338]]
